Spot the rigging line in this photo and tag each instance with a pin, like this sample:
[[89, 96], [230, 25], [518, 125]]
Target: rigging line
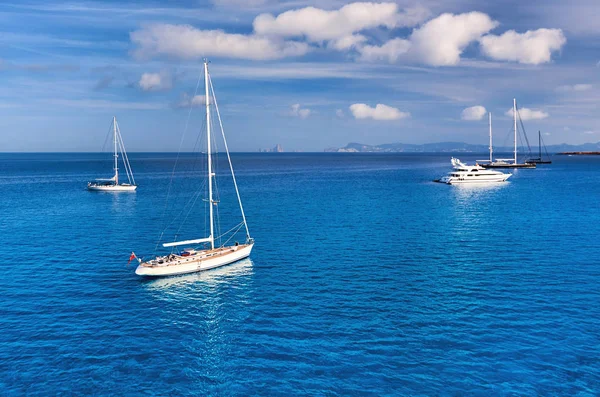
[[192, 200], [544, 144], [237, 192], [216, 185], [107, 135], [524, 133], [196, 193], [234, 227], [229, 239], [191, 207], [125, 157], [176, 161]]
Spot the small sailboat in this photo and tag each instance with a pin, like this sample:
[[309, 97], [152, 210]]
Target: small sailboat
[[540, 159], [202, 253], [512, 162], [112, 184]]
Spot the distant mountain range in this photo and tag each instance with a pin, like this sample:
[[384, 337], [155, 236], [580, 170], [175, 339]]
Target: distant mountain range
[[454, 147]]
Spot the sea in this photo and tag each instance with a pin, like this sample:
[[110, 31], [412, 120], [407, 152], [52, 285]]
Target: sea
[[366, 279]]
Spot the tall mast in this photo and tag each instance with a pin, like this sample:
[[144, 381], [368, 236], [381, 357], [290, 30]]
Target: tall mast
[[515, 120], [210, 173], [116, 154], [490, 121], [540, 143]]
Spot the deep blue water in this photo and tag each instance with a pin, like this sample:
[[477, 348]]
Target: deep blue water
[[366, 279]]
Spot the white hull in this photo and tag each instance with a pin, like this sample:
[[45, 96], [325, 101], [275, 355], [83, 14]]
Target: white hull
[[456, 181], [113, 188], [472, 174], [201, 261]]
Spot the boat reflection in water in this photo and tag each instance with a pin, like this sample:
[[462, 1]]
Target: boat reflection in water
[[210, 277]]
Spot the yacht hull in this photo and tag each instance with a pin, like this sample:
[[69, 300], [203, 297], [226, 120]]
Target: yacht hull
[[196, 263], [115, 188], [492, 165], [481, 181], [472, 181]]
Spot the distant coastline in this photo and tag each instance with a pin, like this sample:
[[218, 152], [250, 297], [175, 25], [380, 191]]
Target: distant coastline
[[580, 153], [457, 147]]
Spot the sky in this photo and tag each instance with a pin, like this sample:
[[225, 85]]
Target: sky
[[301, 73]]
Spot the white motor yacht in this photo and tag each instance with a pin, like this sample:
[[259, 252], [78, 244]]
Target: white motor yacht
[[464, 173]]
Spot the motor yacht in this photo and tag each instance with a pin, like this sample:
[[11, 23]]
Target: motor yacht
[[464, 173]]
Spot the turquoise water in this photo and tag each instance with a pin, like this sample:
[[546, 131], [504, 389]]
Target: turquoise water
[[366, 279]]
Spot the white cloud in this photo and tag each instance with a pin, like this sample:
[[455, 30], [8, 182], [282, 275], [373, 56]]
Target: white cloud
[[575, 87], [473, 113], [187, 42], [318, 25], [528, 114], [379, 112], [347, 42], [340, 113], [532, 47], [589, 132], [442, 40], [390, 51], [155, 81], [298, 111], [186, 101]]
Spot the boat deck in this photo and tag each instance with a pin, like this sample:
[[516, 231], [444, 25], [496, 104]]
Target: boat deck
[[175, 259]]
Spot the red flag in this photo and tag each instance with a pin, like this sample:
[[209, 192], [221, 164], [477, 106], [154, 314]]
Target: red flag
[[131, 258]]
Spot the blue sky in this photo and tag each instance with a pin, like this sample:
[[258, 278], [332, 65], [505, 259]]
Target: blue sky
[[305, 74]]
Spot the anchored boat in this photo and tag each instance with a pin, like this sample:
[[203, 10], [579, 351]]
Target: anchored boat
[[202, 253], [463, 174], [112, 184], [506, 163], [540, 159]]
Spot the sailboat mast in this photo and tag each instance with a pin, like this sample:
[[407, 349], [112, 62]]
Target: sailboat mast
[[210, 173], [116, 155], [515, 121], [491, 147], [540, 143]]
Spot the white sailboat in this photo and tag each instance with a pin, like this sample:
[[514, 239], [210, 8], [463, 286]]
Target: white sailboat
[[203, 254], [112, 184]]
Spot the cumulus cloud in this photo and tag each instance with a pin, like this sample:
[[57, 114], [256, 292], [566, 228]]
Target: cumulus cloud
[[155, 81], [473, 113], [319, 25], [528, 114], [442, 40], [575, 87], [298, 111], [390, 51], [347, 42], [187, 42], [532, 47], [379, 112], [186, 101]]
